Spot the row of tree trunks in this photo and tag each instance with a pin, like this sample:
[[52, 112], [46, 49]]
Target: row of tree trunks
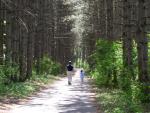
[[31, 29], [126, 21], [64, 40]]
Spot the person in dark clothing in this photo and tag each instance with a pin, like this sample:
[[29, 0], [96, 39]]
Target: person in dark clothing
[[69, 72]]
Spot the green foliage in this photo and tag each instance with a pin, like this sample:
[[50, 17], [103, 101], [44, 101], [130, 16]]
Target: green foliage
[[125, 80], [17, 90], [55, 69], [82, 64], [149, 51], [144, 92], [48, 66], [107, 62], [98, 78], [117, 101], [129, 104], [24, 89], [7, 72], [109, 71]]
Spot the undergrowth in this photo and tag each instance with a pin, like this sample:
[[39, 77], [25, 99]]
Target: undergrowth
[[25, 89]]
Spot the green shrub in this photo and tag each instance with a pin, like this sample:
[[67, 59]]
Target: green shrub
[[27, 88], [98, 77], [118, 110], [45, 65], [8, 72], [107, 58], [125, 80], [55, 69], [48, 66]]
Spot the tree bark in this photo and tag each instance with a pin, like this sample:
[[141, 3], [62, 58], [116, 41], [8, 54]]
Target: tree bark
[[142, 47], [127, 38]]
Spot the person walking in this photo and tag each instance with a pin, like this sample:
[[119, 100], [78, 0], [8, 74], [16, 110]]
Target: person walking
[[69, 72], [82, 76]]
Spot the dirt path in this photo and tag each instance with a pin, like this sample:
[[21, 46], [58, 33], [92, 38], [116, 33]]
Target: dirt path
[[61, 98]]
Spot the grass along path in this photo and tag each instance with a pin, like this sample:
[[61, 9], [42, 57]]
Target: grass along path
[[61, 98], [16, 93]]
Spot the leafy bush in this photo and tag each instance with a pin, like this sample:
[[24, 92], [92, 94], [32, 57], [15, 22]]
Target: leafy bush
[[55, 69], [125, 80], [109, 71], [7, 72], [107, 61], [47, 66], [98, 77], [27, 88]]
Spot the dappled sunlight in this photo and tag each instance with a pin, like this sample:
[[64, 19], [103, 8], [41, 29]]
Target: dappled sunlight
[[61, 98], [44, 42]]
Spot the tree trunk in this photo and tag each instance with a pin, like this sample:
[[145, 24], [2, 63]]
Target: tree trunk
[[127, 39], [142, 47], [109, 17]]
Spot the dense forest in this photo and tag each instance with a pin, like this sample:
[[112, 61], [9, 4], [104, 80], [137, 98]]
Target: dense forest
[[116, 47], [30, 31], [108, 38]]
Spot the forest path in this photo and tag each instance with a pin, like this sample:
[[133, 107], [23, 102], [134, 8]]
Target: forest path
[[61, 98]]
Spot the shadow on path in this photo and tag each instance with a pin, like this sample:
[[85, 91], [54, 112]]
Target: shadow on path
[[61, 98]]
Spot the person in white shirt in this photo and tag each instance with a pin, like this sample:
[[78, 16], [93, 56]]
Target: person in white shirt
[[69, 73]]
